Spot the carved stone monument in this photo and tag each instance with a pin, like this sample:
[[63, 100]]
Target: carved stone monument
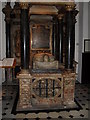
[[44, 49]]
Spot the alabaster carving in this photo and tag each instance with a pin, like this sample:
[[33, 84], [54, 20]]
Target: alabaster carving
[[40, 57], [46, 65], [44, 61]]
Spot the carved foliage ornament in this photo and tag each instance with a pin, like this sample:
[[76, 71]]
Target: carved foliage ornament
[[7, 11], [16, 9]]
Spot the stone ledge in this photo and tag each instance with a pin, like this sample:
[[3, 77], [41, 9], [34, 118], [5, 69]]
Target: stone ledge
[[24, 76]]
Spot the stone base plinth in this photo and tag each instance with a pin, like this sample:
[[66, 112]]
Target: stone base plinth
[[9, 74], [29, 83]]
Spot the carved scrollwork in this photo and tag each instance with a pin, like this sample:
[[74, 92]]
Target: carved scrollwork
[[47, 87]]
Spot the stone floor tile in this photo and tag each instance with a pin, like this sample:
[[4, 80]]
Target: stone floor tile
[[53, 114], [74, 113], [64, 114], [81, 92], [20, 115], [42, 115], [8, 115], [31, 115], [83, 111]]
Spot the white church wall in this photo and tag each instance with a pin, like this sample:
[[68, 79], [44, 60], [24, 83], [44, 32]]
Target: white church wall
[[82, 32], [85, 23], [80, 40], [2, 42], [89, 20], [77, 36]]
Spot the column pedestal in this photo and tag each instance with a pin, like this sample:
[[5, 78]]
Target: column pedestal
[[69, 87], [25, 90]]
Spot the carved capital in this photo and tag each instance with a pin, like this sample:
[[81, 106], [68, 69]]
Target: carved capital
[[7, 11], [24, 5], [70, 7], [24, 71], [60, 16], [16, 9]]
